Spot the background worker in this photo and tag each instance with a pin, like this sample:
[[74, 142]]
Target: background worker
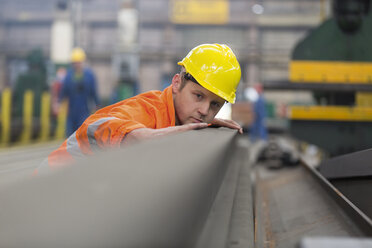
[[56, 89], [79, 87], [209, 76], [257, 130]]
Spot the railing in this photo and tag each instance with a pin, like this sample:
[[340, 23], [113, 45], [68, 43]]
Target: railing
[[28, 125]]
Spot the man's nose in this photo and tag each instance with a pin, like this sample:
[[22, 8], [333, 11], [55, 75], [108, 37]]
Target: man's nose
[[203, 108]]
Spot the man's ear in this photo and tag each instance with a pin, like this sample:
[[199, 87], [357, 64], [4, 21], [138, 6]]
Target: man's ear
[[176, 83]]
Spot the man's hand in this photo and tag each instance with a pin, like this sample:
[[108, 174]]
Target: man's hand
[[227, 123], [148, 133]]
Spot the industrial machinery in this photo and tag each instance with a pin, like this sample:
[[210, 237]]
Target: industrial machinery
[[335, 61]]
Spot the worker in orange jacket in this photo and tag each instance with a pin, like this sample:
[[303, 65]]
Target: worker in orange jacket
[[209, 76]]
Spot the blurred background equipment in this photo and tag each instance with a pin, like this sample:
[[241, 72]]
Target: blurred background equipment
[[335, 62], [62, 35], [27, 95]]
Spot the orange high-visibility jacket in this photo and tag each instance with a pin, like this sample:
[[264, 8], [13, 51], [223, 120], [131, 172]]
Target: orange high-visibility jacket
[[108, 126]]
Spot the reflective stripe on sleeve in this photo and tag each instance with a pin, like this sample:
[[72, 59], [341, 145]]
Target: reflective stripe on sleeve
[[72, 146], [92, 128]]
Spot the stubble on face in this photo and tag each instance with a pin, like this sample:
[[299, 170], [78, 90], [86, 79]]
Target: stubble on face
[[193, 103]]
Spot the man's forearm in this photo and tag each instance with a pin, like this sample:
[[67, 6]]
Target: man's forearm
[[148, 133]]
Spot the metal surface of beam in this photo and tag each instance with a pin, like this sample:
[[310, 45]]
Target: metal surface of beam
[[356, 215], [153, 194], [293, 203], [230, 222], [357, 164], [352, 175]]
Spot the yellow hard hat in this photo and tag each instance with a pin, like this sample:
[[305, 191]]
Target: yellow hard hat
[[215, 67], [77, 55]]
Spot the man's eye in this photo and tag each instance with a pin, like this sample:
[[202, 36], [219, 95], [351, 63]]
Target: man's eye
[[216, 104], [198, 96]]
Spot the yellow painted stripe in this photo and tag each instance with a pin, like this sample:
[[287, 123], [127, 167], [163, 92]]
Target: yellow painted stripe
[[330, 72], [6, 106], [330, 113], [45, 117], [61, 120], [28, 101], [199, 12]]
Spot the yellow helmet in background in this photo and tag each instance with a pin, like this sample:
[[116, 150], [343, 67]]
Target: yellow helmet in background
[[77, 55], [215, 67]]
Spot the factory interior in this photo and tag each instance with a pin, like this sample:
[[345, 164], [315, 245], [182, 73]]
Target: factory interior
[[97, 148]]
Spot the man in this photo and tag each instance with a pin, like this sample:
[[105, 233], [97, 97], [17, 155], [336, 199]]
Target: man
[[79, 87], [258, 129], [209, 77]]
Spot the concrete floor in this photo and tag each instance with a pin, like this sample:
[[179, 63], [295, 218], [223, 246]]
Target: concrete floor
[[18, 163]]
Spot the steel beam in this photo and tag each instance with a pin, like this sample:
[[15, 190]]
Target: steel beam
[[153, 194]]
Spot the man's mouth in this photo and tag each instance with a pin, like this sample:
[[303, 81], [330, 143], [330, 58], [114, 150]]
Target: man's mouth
[[196, 120]]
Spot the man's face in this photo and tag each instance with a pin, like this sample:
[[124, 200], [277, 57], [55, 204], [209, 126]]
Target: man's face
[[193, 103], [78, 66]]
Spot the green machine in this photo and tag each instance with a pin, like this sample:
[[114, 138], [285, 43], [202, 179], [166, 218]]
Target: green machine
[[335, 61], [34, 80]]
